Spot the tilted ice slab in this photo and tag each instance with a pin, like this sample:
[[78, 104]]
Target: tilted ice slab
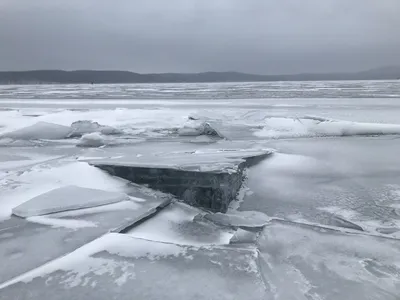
[[250, 219], [66, 198], [40, 130], [208, 177], [177, 224]]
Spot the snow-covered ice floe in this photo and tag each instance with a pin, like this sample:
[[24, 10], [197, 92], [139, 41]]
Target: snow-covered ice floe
[[66, 198]]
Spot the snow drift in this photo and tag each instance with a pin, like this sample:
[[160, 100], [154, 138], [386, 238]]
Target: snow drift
[[91, 140]]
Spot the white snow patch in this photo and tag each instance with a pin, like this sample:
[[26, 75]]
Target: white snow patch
[[92, 140]]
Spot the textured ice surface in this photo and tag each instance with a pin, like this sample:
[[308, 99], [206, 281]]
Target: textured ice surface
[[242, 236], [40, 130], [66, 198], [319, 264], [347, 183]]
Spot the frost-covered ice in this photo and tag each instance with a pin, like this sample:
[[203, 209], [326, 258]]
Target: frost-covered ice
[[66, 198]]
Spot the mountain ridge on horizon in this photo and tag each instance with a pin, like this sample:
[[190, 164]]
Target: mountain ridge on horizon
[[117, 76]]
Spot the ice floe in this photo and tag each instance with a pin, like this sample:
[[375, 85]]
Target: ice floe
[[82, 127], [278, 127]]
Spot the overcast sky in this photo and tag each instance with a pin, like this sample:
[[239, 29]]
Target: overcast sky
[[256, 36]]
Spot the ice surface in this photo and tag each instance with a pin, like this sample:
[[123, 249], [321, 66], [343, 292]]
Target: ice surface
[[66, 198], [40, 130], [67, 223], [213, 160], [337, 183], [91, 140]]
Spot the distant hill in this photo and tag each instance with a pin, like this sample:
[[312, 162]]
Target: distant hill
[[91, 76]]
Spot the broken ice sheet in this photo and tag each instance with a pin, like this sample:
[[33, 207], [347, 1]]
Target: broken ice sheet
[[141, 269], [66, 198]]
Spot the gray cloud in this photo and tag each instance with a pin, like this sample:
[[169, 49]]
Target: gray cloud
[[258, 36]]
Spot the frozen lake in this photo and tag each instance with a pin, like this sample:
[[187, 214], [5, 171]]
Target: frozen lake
[[318, 217]]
